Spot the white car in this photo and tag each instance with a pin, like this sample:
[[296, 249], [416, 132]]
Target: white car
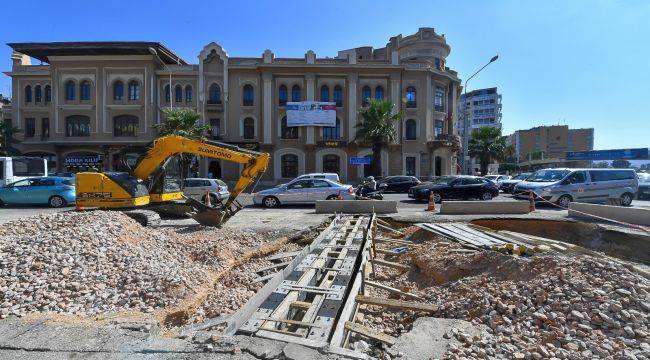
[[198, 188], [328, 176]]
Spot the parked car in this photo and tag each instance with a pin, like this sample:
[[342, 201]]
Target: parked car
[[51, 190], [644, 186], [197, 188], [303, 191], [398, 183], [328, 176], [497, 178], [562, 186], [455, 187], [508, 186]]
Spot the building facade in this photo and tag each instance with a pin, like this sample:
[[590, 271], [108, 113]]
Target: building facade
[[94, 105], [480, 108], [546, 146]]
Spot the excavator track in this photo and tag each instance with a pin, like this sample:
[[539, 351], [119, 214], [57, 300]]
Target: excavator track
[[144, 217]]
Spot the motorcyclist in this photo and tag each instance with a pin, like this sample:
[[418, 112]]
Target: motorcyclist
[[369, 185]]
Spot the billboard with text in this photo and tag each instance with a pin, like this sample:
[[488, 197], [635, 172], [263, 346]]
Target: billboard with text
[[311, 113]]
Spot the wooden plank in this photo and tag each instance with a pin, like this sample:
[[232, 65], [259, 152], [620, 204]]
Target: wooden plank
[[300, 305], [396, 304], [389, 229], [392, 289], [394, 241], [282, 255], [391, 264], [482, 234], [371, 333], [476, 236], [455, 235], [271, 267]]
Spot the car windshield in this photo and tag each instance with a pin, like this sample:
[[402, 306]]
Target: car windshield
[[443, 180], [521, 177], [548, 175]]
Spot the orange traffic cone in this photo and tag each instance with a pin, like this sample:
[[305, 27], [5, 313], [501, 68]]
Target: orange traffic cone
[[432, 204], [208, 202], [531, 201]]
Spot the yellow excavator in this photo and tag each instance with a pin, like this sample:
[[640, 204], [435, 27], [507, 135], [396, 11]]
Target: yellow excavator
[[147, 190]]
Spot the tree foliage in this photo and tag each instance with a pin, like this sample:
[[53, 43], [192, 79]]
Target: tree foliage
[[377, 128], [8, 138], [621, 164], [487, 144]]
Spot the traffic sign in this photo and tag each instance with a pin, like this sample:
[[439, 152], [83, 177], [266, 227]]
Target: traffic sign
[[360, 160]]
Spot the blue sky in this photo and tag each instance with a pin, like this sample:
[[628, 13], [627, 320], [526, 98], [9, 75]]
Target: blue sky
[[581, 63]]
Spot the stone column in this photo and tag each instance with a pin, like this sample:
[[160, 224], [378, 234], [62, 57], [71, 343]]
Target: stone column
[[396, 98], [453, 107], [428, 108], [352, 106], [267, 109], [310, 80]]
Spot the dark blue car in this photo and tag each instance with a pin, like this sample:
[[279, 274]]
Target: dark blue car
[[52, 190]]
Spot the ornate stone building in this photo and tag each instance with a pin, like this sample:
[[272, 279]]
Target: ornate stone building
[[89, 103]]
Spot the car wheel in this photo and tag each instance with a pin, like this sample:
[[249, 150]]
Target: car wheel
[[437, 198], [626, 199], [270, 202], [56, 201], [486, 196], [564, 201], [332, 197]]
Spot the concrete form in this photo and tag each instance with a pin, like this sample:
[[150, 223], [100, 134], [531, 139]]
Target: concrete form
[[630, 215]]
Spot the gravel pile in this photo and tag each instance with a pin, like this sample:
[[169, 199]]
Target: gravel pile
[[541, 307], [103, 261]]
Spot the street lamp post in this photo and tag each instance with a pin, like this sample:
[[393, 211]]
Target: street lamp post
[[171, 99], [466, 115]]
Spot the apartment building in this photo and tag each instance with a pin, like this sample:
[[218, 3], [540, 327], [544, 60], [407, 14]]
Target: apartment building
[[94, 104], [5, 108], [547, 145], [481, 108]]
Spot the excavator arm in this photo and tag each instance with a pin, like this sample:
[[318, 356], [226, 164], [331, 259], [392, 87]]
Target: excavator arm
[[255, 164]]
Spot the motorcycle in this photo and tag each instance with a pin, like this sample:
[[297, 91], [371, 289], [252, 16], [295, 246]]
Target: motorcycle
[[363, 192]]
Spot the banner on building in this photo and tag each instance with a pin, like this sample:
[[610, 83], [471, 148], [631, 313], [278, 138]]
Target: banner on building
[[311, 113], [614, 154]]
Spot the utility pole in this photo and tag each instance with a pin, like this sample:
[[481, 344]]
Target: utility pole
[[466, 116]]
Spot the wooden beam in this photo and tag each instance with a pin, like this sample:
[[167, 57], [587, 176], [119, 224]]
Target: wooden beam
[[371, 333], [392, 289], [390, 264], [396, 304], [274, 266], [389, 229], [394, 241]]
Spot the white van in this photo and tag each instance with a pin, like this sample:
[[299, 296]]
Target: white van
[[328, 176], [17, 168], [562, 186]]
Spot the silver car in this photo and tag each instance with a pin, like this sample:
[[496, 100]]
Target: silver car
[[198, 188], [303, 191]]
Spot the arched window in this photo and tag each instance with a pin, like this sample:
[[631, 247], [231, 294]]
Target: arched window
[[125, 125], [379, 93], [283, 95], [188, 93], [289, 165], [287, 132], [365, 96], [331, 163], [410, 129], [118, 90], [411, 97], [338, 95], [214, 94], [249, 128], [38, 94], [296, 95], [70, 90], [77, 125], [167, 94], [324, 93], [249, 95], [48, 93], [332, 132], [84, 90], [178, 93], [134, 91], [28, 94]]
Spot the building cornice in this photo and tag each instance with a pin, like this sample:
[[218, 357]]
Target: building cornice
[[101, 58]]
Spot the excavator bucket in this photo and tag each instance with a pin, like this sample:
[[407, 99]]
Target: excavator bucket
[[208, 215]]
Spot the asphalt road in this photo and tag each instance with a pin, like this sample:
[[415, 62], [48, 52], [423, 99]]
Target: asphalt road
[[268, 217]]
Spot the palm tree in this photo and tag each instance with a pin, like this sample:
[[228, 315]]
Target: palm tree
[[377, 127], [182, 122], [7, 138], [487, 144]]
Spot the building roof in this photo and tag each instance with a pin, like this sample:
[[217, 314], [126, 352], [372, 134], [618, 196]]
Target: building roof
[[42, 51]]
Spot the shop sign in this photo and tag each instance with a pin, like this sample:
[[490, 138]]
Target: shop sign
[[331, 143], [83, 160]]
